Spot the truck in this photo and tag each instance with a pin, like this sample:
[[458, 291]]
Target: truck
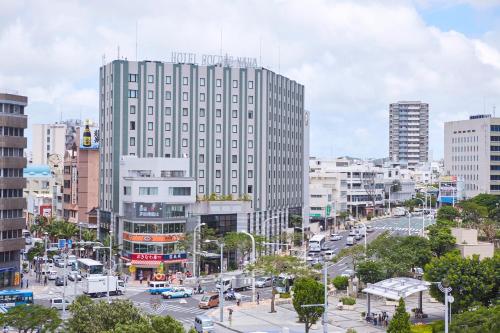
[[235, 282], [398, 212], [97, 286]]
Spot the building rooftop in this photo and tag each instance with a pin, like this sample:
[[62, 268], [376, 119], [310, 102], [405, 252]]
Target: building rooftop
[[37, 171], [396, 288]]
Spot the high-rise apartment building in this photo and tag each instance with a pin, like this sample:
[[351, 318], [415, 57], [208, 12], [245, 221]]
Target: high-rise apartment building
[[242, 129], [472, 153], [13, 122], [409, 133]]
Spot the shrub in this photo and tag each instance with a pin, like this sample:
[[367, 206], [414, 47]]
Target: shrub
[[348, 300], [284, 295], [341, 282], [437, 326], [351, 330], [421, 328]]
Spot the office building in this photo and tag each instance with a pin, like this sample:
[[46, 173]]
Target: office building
[[13, 122], [242, 128], [472, 153], [52, 140], [409, 133], [38, 192]]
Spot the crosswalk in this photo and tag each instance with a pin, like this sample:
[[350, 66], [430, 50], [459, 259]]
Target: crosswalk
[[180, 312], [397, 228]]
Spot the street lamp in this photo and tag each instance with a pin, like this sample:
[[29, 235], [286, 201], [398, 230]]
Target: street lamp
[[45, 256], [253, 261], [364, 226], [423, 214], [265, 224], [444, 286], [194, 246], [221, 285], [409, 220], [110, 248], [303, 242]]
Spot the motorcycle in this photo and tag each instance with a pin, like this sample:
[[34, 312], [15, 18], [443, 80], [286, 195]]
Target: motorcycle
[[199, 291], [230, 296]]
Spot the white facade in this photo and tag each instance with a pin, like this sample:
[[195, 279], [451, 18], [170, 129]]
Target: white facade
[[409, 132], [48, 139], [472, 153]]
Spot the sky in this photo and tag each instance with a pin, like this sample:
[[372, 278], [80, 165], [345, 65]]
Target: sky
[[354, 57]]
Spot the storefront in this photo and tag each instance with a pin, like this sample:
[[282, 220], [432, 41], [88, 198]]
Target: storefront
[[149, 265], [7, 277]]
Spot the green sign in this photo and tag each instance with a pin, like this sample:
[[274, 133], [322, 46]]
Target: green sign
[[315, 215], [328, 210]]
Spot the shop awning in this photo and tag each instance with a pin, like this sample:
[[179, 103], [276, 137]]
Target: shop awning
[[146, 263]]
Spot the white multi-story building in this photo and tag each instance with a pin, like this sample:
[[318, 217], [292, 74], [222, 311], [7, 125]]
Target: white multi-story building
[[409, 133], [472, 153], [242, 128], [48, 139], [156, 197]]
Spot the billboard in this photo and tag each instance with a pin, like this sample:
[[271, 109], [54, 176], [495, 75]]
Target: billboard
[[148, 210], [45, 210], [89, 137]]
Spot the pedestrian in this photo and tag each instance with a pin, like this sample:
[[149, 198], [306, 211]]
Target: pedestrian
[[230, 316], [258, 298], [380, 319], [27, 283], [45, 280]]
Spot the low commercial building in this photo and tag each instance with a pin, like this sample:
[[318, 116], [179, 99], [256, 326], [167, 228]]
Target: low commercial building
[[467, 244]]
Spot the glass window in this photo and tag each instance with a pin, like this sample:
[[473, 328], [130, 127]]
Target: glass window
[[185, 96], [202, 97], [150, 110], [179, 191], [218, 113], [235, 113], [185, 80], [218, 83], [234, 144], [234, 173], [234, 128], [150, 126], [132, 141], [201, 158], [202, 127], [235, 98], [217, 188], [150, 94], [250, 129], [132, 78], [168, 95], [184, 142], [202, 112], [234, 189], [201, 189], [218, 128], [184, 127], [132, 109], [150, 141], [151, 79], [168, 111], [218, 98], [202, 81], [250, 84], [168, 79], [235, 83], [184, 111], [167, 142], [218, 143], [167, 126], [202, 143], [148, 190]]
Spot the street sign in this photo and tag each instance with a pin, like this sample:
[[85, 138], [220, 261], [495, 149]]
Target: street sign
[[328, 210], [70, 243], [61, 243], [451, 299]]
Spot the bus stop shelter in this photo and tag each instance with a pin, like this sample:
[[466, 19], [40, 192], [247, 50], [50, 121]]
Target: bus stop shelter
[[396, 288]]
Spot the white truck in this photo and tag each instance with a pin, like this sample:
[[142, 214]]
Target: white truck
[[235, 282], [97, 286]]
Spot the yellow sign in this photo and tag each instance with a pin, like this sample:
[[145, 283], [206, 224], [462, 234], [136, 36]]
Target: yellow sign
[[132, 269], [17, 279]]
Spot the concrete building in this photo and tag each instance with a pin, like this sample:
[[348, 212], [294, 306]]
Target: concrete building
[[243, 129], [399, 182], [409, 133], [81, 184], [13, 122], [472, 153], [38, 192], [156, 196], [467, 244]]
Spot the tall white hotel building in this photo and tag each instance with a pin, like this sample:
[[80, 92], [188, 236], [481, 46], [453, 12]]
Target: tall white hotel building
[[244, 131]]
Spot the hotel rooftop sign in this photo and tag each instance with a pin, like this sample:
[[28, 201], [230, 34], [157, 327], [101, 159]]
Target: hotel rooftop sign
[[213, 59]]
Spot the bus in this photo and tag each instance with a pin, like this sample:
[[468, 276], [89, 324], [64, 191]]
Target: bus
[[10, 298], [317, 243], [89, 267]]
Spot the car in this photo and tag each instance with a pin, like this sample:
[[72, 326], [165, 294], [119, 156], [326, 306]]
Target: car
[[263, 281], [74, 275], [335, 237], [329, 255], [352, 233], [349, 241], [57, 303], [52, 275], [59, 263], [369, 228], [209, 301], [358, 236], [177, 293], [348, 273], [60, 281]]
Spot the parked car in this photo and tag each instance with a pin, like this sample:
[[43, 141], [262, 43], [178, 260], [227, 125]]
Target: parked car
[[209, 301], [60, 281], [74, 275], [263, 281], [57, 303], [335, 237], [177, 293], [59, 263]]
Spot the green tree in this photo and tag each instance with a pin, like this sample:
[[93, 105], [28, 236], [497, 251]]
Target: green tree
[[370, 271], [472, 281], [400, 322], [472, 213], [441, 240], [37, 250], [308, 291], [166, 324], [480, 320], [150, 324], [447, 213], [275, 265], [489, 201], [340, 282], [237, 241], [60, 229], [355, 253], [29, 318]]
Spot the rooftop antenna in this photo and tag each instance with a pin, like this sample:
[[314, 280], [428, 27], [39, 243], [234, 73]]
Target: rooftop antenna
[[260, 51], [221, 42], [494, 109], [279, 59], [118, 51], [103, 59], [136, 38]]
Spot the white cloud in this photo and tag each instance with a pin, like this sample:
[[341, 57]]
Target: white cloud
[[353, 57]]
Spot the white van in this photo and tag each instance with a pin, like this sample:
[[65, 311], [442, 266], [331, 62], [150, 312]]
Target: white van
[[57, 303], [349, 241], [329, 255], [204, 324]]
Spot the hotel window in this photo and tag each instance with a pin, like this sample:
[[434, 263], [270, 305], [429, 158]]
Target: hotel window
[[178, 191], [150, 110], [202, 112], [235, 98], [202, 81], [201, 174], [235, 83], [234, 158], [234, 173], [184, 111], [132, 93], [132, 78], [234, 113], [167, 142], [218, 113], [218, 128], [234, 128], [150, 126], [201, 158], [218, 83], [150, 94], [201, 189], [250, 99], [132, 141], [132, 125], [132, 109], [185, 80], [250, 114], [218, 143], [234, 144], [217, 158], [250, 158], [168, 95], [167, 126], [202, 97], [250, 173], [168, 111], [150, 141], [218, 97], [168, 79], [148, 190], [202, 128], [217, 173], [234, 188], [184, 127], [250, 129], [184, 142], [127, 190], [250, 84], [151, 79], [249, 189], [250, 143], [184, 96], [217, 188], [202, 142]]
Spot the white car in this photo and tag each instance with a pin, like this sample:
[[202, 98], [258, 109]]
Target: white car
[[52, 275], [329, 255], [264, 281], [57, 303], [348, 273], [335, 237]]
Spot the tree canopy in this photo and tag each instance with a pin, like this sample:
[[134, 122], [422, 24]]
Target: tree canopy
[[29, 318], [370, 271], [481, 320], [447, 213], [308, 291]]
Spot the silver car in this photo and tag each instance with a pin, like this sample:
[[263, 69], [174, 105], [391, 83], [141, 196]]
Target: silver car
[[264, 281]]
